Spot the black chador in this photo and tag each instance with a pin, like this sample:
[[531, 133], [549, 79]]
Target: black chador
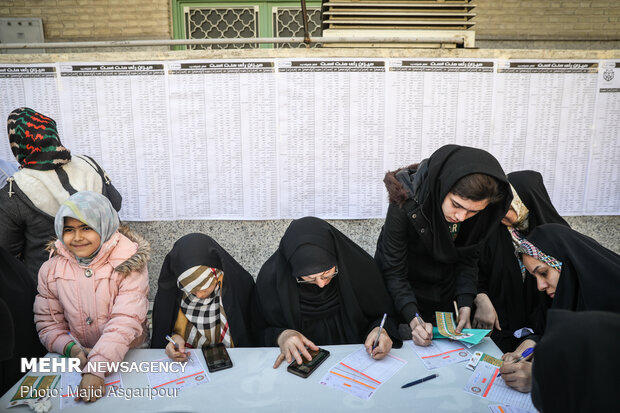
[[342, 312]]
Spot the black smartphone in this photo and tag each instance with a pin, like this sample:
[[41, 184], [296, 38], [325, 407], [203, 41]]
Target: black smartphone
[[217, 357], [306, 369]]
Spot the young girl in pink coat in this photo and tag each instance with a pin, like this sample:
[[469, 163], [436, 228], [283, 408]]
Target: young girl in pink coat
[[94, 286]]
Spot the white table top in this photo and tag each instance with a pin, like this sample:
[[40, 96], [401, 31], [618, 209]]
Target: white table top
[[252, 385]]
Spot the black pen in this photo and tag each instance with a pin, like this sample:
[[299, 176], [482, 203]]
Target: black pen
[[418, 381]]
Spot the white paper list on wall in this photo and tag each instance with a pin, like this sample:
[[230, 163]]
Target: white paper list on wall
[[284, 138]]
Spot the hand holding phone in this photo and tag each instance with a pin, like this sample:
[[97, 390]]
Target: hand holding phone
[[308, 366], [293, 345], [217, 357]]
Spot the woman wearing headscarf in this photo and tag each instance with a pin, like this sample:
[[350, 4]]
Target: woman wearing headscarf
[[506, 300], [20, 339], [576, 273], [320, 288], [48, 175], [576, 369], [203, 298], [94, 286], [441, 211]]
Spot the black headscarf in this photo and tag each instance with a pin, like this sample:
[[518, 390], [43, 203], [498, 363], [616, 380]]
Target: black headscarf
[[532, 191], [20, 338], [575, 366], [431, 183], [590, 273], [357, 291], [516, 300], [237, 288]]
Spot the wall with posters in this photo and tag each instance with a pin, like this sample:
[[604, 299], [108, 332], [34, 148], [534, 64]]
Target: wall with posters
[[269, 135]]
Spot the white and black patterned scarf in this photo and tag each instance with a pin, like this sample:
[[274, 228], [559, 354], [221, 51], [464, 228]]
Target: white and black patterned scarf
[[206, 316]]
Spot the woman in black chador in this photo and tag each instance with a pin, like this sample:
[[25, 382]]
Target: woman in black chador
[[203, 298], [441, 211], [506, 300], [20, 338], [576, 366], [320, 288], [576, 273]]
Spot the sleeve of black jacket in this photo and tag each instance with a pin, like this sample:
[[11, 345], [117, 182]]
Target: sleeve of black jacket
[[392, 256]]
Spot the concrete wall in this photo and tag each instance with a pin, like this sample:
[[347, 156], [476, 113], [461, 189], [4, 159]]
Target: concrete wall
[[251, 243]]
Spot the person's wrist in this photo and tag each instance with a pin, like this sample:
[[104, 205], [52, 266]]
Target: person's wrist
[[68, 348], [282, 337]]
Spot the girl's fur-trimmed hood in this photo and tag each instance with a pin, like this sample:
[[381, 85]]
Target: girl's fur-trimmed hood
[[396, 191], [136, 262]]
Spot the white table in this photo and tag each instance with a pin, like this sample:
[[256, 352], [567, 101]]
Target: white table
[[252, 385]]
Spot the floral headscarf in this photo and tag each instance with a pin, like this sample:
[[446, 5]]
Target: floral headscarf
[[528, 248]]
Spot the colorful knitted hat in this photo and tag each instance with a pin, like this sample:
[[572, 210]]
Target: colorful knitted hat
[[34, 140]]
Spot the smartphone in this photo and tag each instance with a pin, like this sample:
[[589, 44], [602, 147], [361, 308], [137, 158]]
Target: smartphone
[[217, 357], [306, 369]]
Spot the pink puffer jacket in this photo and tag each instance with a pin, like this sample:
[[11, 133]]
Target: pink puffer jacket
[[104, 305]]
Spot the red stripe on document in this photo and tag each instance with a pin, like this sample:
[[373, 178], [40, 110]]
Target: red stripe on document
[[365, 375], [180, 378], [441, 354], [493, 377], [349, 378]]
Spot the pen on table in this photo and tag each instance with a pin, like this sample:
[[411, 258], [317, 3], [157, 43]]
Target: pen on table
[[77, 343], [523, 355], [376, 343], [176, 345], [418, 381]]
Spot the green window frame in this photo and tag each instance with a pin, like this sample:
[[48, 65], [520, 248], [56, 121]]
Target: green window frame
[[265, 19]]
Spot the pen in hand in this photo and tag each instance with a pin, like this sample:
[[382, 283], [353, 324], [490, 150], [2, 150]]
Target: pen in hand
[[523, 355], [376, 343], [421, 323], [176, 346]]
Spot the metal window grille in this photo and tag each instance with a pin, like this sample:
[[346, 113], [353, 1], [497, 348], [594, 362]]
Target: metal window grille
[[221, 23], [288, 22]]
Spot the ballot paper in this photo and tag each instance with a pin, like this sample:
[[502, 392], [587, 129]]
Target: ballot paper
[[446, 328], [69, 384], [441, 353], [361, 375], [193, 375], [484, 382], [34, 388], [473, 362], [502, 408]]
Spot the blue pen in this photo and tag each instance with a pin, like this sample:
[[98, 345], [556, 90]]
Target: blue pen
[[422, 380], [525, 354]]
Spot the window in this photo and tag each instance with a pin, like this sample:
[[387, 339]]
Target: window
[[242, 19]]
